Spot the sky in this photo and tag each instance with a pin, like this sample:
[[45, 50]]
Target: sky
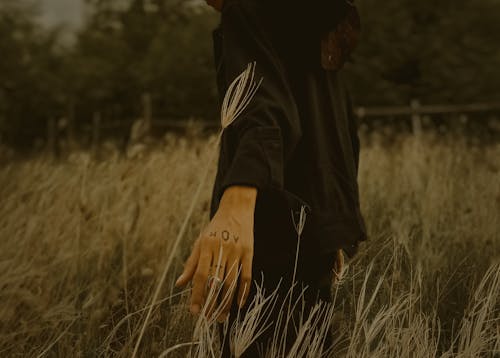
[[57, 12]]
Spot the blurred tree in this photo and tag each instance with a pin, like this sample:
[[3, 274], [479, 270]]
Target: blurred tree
[[30, 64], [157, 47], [444, 51]]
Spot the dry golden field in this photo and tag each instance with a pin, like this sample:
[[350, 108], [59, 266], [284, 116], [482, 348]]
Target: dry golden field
[[83, 243]]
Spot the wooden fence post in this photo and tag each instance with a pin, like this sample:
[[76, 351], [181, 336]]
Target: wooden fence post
[[52, 137], [147, 112], [96, 133], [71, 125], [416, 119], [360, 113]]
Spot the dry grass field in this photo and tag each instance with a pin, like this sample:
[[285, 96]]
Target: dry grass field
[[83, 243]]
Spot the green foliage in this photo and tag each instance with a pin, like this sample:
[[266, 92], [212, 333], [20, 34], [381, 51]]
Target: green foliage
[[438, 52], [30, 85], [162, 48]]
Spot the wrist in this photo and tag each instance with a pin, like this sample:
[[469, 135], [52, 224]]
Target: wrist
[[239, 196]]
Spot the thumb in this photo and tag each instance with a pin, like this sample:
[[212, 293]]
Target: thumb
[[189, 267], [339, 265]]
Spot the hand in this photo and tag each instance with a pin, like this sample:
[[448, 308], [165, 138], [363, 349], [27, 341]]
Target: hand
[[216, 4], [222, 247], [338, 268]]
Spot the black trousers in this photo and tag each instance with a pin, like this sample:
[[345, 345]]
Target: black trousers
[[275, 244]]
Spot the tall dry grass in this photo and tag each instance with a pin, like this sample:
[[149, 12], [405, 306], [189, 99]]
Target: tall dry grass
[[83, 242]]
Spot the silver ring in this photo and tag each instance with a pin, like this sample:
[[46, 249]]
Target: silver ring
[[213, 278]]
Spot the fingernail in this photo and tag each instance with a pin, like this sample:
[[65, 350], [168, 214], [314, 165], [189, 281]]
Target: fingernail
[[195, 309], [178, 280]]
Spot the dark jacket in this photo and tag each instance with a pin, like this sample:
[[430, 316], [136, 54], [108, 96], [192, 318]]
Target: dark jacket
[[297, 141]]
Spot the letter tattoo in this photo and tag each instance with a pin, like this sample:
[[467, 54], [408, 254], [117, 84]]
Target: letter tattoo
[[225, 235]]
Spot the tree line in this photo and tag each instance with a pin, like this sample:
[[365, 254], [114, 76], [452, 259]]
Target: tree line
[[438, 51]]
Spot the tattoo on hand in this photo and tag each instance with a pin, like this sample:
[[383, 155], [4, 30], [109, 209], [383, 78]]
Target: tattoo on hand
[[225, 235]]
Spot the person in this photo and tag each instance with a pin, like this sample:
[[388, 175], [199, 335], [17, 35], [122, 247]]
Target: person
[[294, 149]]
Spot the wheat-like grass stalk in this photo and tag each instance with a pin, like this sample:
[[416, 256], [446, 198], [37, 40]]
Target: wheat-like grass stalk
[[279, 341], [49, 347], [299, 227], [205, 329], [237, 98], [244, 331], [278, 344], [239, 95], [311, 335], [256, 320], [41, 221], [475, 331], [311, 331], [165, 353], [126, 318]]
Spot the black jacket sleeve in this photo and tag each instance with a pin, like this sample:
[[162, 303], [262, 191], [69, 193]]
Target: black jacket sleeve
[[263, 138]]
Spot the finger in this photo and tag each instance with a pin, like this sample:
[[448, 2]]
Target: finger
[[338, 267], [230, 283], [341, 263], [245, 279], [190, 266], [200, 279], [215, 281], [216, 277]]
